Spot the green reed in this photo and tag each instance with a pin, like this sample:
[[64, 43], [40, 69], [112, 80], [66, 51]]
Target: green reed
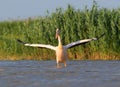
[[74, 25]]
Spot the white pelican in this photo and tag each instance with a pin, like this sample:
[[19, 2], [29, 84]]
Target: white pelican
[[61, 51]]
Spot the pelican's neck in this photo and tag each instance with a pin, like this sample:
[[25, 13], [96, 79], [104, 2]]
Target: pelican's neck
[[59, 41]]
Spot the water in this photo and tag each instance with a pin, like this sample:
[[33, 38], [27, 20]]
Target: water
[[45, 74]]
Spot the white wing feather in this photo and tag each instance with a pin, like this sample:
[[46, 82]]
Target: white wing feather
[[37, 45], [73, 44], [41, 46]]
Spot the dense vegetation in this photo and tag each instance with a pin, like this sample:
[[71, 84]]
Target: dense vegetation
[[74, 25]]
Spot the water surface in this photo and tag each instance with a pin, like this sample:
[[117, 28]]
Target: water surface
[[45, 74]]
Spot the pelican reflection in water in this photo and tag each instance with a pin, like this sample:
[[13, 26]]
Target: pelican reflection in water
[[61, 50]]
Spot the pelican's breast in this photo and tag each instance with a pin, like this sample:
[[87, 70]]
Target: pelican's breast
[[61, 54]]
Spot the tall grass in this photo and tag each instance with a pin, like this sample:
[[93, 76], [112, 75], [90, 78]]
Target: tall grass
[[74, 25]]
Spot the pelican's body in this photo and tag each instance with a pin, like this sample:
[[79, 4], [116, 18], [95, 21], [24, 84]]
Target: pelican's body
[[61, 51], [61, 55]]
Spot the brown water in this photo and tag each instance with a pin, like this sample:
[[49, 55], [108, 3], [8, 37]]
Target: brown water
[[45, 74]]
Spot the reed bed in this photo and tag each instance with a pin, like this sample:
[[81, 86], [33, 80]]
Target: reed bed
[[74, 25]]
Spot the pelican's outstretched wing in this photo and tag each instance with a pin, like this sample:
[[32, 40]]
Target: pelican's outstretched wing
[[37, 45], [73, 44]]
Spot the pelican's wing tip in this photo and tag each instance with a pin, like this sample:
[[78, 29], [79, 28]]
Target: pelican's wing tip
[[18, 40], [98, 37]]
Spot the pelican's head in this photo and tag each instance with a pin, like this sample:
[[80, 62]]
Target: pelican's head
[[57, 33]]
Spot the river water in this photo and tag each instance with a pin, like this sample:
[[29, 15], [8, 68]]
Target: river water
[[45, 74]]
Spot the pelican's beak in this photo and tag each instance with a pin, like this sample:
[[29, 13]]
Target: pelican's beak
[[57, 33]]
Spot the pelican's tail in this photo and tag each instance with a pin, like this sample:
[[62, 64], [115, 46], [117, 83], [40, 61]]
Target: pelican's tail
[[21, 41]]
